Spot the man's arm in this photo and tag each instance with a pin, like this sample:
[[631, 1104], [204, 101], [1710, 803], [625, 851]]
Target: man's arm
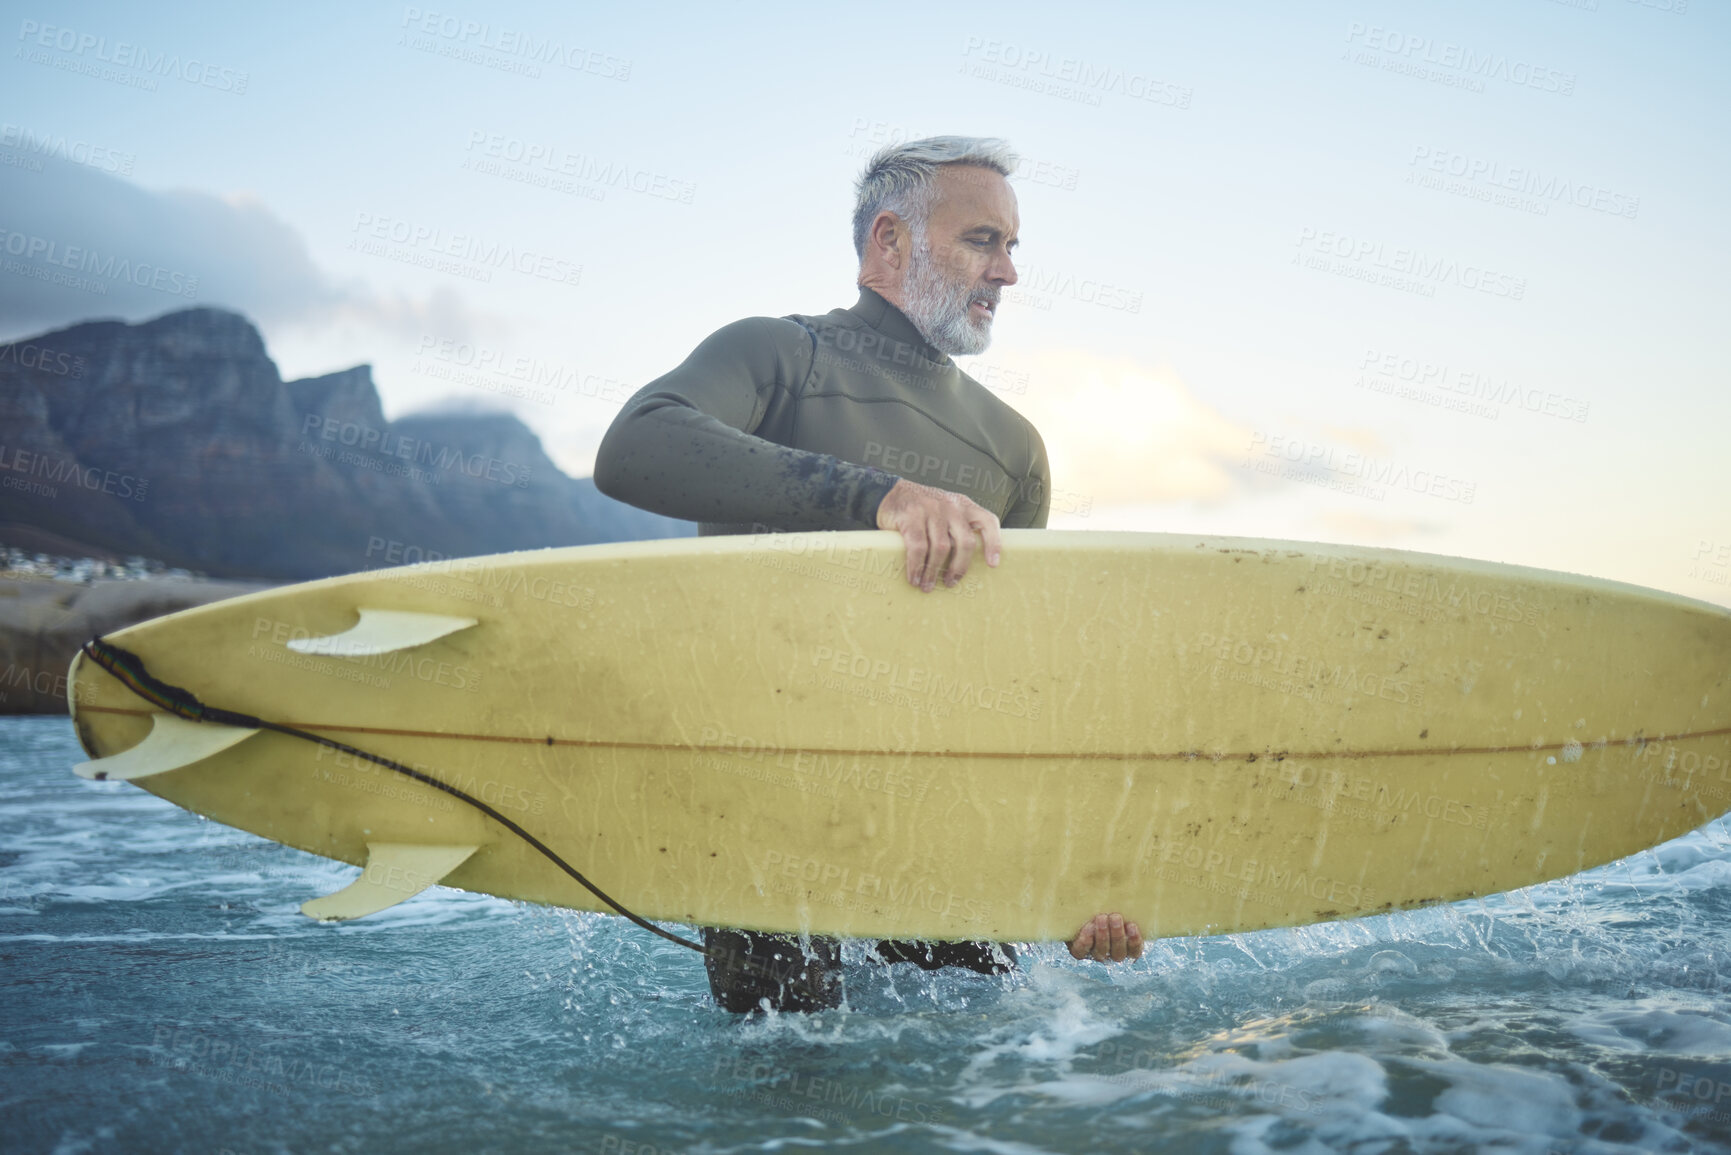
[[684, 445], [1034, 494]]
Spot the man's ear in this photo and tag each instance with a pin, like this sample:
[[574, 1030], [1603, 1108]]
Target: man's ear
[[889, 236]]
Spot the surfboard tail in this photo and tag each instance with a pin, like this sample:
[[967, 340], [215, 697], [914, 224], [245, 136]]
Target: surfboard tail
[[172, 743], [395, 872]]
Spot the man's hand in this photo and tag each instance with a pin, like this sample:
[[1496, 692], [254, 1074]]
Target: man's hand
[[938, 527], [1107, 938]]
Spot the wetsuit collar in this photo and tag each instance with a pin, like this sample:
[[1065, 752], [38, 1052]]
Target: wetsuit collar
[[874, 311]]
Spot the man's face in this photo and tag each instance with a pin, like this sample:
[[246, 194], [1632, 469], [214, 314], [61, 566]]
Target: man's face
[[959, 264]]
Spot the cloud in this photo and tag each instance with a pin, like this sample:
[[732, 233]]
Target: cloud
[[1368, 529], [1123, 433], [1367, 440], [76, 244]]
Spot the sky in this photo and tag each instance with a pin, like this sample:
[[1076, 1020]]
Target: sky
[[1444, 277]]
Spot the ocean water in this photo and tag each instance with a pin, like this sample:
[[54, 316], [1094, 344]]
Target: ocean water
[[159, 992]]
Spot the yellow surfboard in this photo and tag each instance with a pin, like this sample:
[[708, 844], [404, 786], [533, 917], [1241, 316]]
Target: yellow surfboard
[[777, 732]]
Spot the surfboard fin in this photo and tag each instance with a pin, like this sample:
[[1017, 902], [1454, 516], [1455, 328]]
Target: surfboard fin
[[173, 742], [382, 632], [395, 872]]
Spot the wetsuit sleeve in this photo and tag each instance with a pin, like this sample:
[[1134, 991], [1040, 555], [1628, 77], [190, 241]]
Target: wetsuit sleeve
[[685, 445], [1034, 496]]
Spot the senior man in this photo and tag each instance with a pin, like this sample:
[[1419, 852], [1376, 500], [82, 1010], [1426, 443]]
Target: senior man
[[837, 422]]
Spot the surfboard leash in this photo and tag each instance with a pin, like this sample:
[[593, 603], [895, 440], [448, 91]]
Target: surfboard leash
[[128, 668]]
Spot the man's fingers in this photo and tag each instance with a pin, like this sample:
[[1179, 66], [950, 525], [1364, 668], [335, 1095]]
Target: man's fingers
[[1107, 938], [975, 519], [962, 535], [939, 529], [984, 521], [939, 555], [915, 537]]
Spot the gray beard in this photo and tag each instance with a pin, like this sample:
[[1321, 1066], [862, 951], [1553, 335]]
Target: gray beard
[[938, 308]]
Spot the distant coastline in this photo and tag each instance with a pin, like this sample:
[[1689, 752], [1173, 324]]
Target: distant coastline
[[177, 438], [50, 605], [148, 468]]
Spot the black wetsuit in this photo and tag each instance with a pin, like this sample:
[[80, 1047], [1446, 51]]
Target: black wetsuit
[[805, 423]]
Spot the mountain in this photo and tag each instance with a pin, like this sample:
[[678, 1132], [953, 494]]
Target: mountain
[[177, 439]]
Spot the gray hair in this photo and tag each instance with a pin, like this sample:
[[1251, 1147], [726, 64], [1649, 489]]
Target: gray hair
[[901, 177]]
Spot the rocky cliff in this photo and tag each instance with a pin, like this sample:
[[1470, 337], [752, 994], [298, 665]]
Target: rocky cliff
[[177, 439]]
